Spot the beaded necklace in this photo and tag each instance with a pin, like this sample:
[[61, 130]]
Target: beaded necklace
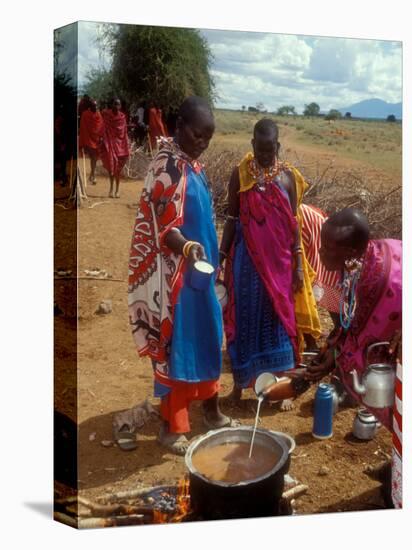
[[263, 176], [348, 303]]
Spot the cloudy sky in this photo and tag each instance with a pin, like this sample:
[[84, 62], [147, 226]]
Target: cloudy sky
[[281, 69]]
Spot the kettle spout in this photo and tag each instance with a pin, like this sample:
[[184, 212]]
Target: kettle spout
[[357, 386]]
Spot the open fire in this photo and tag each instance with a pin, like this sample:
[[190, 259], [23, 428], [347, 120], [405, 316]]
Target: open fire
[[172, 508], [146, 506]]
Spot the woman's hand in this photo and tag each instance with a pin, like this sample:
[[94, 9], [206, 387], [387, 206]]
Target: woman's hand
[[297, 280], [317, 371], [196, 253]]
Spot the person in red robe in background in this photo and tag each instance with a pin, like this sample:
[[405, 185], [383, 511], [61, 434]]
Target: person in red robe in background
[[90, 136], [157, 127], [114, 148], [84, 104]]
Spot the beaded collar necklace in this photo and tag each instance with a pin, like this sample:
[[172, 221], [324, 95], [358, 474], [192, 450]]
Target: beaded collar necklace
[[263, 176]]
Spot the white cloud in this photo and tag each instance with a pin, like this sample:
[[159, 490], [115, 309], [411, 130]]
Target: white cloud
[[250, 67], [282, 69]]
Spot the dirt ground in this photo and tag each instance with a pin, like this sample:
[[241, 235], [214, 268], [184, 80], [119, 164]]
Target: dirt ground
[[110, 377]]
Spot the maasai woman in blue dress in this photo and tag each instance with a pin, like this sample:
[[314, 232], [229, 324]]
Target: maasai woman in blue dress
[[178, 326]]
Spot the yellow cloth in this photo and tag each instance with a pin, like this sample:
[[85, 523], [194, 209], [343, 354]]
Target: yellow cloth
[[247, 181], [307, 317]]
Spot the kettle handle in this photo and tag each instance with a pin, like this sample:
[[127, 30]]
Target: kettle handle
[[374, 346]]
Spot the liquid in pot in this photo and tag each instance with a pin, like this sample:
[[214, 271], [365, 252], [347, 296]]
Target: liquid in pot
[[230, 462]]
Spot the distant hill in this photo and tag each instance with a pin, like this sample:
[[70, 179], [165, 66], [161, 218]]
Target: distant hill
[[373, 108]]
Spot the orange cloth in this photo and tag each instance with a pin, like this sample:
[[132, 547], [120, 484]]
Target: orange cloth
[[91, 129], [174, 407], [156, 126]]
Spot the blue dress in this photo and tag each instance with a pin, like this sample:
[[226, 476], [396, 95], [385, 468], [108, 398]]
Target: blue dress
[[261, 343], [197, 323]]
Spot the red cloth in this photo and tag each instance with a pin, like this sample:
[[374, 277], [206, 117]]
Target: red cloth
[[174, 407], [328, 282], [114, 149], [83, 106], [156, 125], [91, 129]]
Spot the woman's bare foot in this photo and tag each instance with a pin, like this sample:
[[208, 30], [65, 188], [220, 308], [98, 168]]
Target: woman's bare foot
[[286, 405]]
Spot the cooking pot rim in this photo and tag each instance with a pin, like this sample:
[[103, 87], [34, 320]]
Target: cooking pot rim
[[286, 436], [195, 443]]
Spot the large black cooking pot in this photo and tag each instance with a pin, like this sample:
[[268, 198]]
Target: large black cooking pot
[[257, 497]]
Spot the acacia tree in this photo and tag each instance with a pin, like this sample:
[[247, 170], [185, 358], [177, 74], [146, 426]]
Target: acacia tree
[[311, 110], [286, 110], [160, 64], [333, 114], [101, 86]]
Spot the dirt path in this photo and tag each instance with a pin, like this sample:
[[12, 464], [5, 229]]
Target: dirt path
[[111, 378]]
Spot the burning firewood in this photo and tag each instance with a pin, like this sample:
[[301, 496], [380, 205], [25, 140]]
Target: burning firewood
[[104, 510], [127, 495]]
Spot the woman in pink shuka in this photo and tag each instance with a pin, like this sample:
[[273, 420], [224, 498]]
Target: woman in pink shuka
[[370, 312]]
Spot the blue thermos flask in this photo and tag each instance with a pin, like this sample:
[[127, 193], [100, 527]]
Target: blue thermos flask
[[323, 412]]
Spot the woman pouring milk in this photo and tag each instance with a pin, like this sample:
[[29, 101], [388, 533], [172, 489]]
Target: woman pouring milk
[[370, 307]]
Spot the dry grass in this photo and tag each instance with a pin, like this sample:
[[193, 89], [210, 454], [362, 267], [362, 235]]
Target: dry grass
[[330, 189]]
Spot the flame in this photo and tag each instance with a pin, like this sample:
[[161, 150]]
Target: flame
[[160, 517], [182, 505], [182, 500]]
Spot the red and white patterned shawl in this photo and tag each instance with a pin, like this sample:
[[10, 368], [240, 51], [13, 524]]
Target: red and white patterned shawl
[[155, 272]]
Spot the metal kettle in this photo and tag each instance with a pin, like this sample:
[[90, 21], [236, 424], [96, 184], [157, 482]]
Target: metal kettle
[[378, 383], [365, 425]]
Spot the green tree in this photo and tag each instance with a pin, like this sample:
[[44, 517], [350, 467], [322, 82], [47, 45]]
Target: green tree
[[286, 110], [260, 106], [312, 109], [333, 115], [101, 86], [243, 108], [160, 64], [348, 115], [391, 118]]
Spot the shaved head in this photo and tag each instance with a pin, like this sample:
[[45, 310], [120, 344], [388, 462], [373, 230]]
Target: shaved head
[[195, 126], [266, 127], [350, 227], [192, 106], [265, 142]]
